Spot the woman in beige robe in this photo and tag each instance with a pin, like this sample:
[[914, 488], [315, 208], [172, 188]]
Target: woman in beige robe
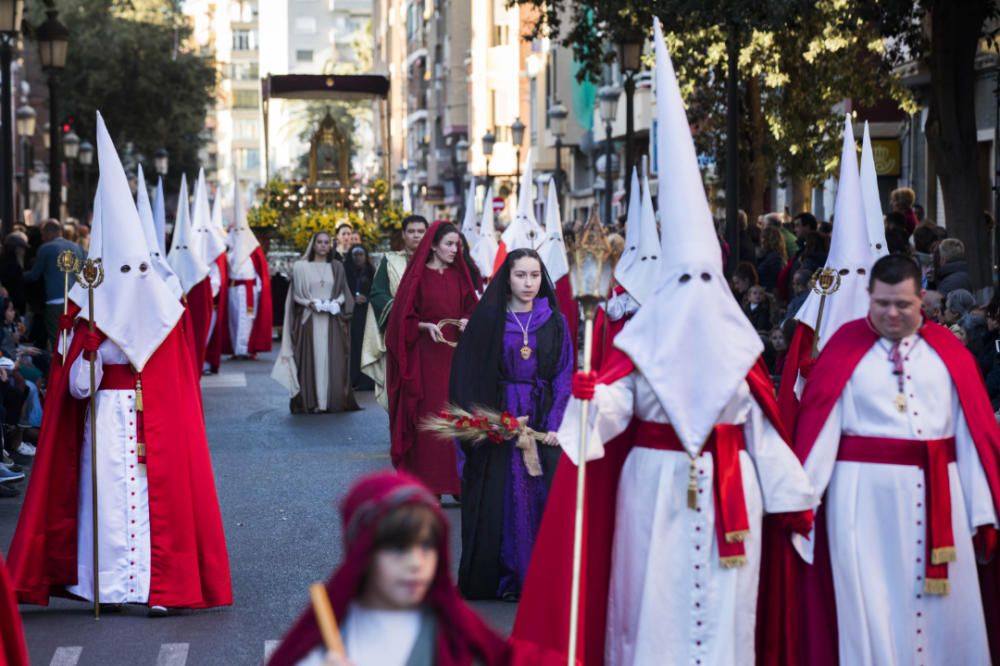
[[314, 360]]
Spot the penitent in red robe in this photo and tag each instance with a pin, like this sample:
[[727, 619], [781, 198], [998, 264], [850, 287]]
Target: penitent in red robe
[[199, 305], [213, 346], [189, 563]]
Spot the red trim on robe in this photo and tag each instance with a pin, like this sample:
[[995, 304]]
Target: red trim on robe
[[797, 359], [199, 302], [189, 561], [220, 305], [811, 602]]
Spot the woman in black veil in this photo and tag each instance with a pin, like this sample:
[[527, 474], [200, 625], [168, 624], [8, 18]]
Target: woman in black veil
[[514, 355]]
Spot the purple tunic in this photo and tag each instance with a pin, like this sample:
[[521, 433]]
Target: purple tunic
[[524, 495]]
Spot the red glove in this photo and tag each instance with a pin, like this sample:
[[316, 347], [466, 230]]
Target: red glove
[[92, 340], [985, 543], [583, 385], [65, 322], [799, 522]]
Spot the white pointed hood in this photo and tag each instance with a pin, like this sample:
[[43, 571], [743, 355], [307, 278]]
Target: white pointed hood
[[207, 241], [484, 253], [469, 227], [553, 247], [524, 230], [851, 255], [218, 224], [160, 217], [242, 240], [160, 263], [184, 257], [691, 341], [643, 249], [869, 195], [132, 306]]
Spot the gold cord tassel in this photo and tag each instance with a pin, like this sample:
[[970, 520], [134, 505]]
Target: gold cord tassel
[[733, 561], [138, 394], [692, 488], [737, 537]]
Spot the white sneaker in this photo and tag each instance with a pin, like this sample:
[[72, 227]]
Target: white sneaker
[[26, 449]]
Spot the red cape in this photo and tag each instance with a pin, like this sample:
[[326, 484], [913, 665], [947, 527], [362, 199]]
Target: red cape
[[263, 318], [220, 304], [605, 332], [199, 304], [190, 566], [12, 649], [541, 629], [570, 309], [812, 603], [798, 359]]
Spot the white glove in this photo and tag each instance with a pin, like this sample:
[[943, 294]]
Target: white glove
[[621, 306]]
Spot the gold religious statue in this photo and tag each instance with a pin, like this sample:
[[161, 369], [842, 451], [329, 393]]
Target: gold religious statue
[[329, 156]]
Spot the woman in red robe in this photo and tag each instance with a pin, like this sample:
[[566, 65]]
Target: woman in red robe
[[419, 343]]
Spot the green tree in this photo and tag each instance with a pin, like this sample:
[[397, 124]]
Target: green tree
[[127, 59]]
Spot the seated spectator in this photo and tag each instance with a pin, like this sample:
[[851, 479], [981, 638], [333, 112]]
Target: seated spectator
[[933, 305], [744, 278], [951, 270], [800, 291], [758, 308], [956, 305], [901, 201], [773, 257]]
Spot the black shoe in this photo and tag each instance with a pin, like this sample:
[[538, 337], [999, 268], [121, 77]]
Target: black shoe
[[9, 490]]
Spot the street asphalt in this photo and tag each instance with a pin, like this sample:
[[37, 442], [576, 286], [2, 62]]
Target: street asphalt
[[279, 478]]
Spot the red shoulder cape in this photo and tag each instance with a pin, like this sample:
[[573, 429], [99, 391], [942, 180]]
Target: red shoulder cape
[[220, 304], [798, 359], [263, 322], [12, 649], [541, 628], [812, 603], [190, 565], [570, 309]]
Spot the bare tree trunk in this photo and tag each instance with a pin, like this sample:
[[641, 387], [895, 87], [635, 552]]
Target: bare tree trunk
[[951, 126], [801, 192]]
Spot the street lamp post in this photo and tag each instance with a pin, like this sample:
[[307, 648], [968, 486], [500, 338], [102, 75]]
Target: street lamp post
[[53, 42], [25, 123], [10, 25], [86, 156], [732, 150], [461, 159], [608, 102], [557, 125], [488, 140], [71, 149], [630, 60], [517, 137]]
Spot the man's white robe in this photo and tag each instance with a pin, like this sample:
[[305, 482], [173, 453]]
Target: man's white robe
[[876, 518], [670, 600], [122, 498]]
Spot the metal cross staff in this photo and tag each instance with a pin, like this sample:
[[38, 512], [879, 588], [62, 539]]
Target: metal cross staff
[[90, 277], [825, 281], [67, 263]]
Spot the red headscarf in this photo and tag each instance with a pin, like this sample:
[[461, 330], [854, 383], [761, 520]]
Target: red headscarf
[[462, 637], [403, 374]]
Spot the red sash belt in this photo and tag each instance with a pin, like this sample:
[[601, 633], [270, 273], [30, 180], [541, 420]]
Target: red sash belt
[[932, 456], [732, 526], [249, 284], [121, 377]]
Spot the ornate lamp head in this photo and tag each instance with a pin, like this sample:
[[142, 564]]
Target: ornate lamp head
[[592, 261]]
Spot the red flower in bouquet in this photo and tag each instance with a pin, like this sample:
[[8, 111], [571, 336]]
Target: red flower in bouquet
[[494, 436], [509, 421], [463, 422]]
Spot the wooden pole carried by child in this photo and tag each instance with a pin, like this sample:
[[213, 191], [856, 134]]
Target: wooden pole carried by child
[[326, 619]]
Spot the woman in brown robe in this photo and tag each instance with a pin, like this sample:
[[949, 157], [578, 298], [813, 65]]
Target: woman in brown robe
[[314, 360]]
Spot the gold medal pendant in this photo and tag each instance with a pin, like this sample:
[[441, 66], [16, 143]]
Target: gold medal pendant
[[525, 352]]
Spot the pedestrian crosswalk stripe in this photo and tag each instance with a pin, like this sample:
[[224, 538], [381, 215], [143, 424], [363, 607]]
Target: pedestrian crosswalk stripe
[[66, 656], [172, 654], [225, 380], [269, 648]]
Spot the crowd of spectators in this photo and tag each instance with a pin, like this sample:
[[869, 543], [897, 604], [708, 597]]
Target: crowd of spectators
[[779, 254], [31, 301]]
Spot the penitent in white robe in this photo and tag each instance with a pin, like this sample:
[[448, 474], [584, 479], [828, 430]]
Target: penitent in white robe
[[670, 601], [123, 497], [241, 321], [876, 518]]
